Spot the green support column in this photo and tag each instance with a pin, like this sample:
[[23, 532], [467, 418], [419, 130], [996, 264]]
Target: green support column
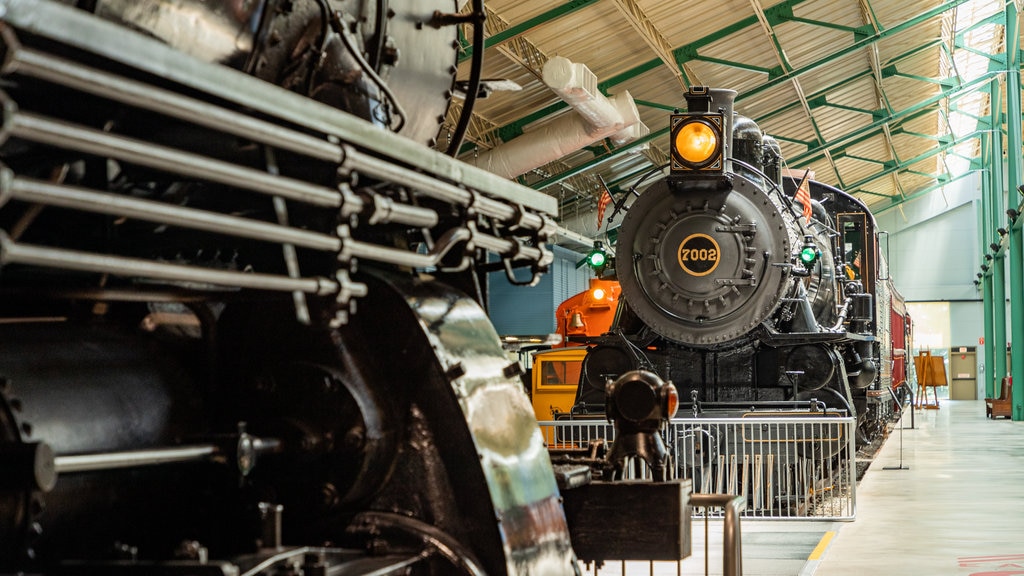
[[1016, 315], [997, 276], [998, 262], [1013, 180], [984, 225], [990, 356], [999, 315]]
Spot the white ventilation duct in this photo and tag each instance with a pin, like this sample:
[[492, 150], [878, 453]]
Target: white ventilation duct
[[597, 118]]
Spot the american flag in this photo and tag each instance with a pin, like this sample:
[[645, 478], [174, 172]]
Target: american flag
[[803, 196], [602, 203]]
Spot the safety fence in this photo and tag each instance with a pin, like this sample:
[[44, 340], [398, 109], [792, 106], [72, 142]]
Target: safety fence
[[784, 466]]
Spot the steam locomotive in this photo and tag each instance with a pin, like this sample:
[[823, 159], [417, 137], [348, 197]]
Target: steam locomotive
[[240, 329], [744, 293]]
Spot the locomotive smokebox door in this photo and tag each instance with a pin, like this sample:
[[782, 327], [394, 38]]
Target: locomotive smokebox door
[[630, 520]]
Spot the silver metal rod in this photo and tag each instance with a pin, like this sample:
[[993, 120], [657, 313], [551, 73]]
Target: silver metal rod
[[506, 247], [132, 458], [434, 188], [358, 249], [66, 135], [387, 210], [40, 192], [74, 75], [14, 253]]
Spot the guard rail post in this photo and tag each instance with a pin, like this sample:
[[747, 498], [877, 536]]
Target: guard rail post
[[732, 548]]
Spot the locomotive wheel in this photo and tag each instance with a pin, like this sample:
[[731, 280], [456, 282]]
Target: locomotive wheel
[[431, 413]]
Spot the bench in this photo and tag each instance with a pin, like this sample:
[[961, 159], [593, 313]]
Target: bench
[[1001, 406]]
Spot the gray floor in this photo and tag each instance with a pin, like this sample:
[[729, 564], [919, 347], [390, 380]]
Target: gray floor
[[956, 506], [957, 509]]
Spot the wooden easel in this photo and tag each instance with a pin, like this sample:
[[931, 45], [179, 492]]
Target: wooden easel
[[931, 374]]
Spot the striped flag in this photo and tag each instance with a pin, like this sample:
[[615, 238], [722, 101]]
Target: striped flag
[[803, 196], [602, 203]]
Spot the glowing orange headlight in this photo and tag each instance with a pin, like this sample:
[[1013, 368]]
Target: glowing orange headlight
[[697, 143]]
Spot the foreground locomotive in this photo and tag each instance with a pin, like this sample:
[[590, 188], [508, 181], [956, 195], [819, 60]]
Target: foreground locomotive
[[743, 294], [221, 351]]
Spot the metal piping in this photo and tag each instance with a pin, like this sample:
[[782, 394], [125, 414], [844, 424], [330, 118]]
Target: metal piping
[[597, 117]]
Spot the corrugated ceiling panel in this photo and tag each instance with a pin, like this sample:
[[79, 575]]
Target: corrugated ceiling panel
[[831, 70]]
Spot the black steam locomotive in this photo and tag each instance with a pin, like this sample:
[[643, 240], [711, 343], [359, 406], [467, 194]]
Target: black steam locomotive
[[744, 293], [239, 322]]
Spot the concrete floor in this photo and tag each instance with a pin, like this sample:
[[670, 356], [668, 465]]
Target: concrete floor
[[950, 501], [958, 508]]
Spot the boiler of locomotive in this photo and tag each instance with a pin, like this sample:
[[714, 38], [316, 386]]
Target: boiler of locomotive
[[377, 60], [711, 249]]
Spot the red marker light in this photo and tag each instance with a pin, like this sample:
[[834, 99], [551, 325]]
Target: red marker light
[[673, 400]]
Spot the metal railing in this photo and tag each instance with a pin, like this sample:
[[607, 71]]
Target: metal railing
[[785, 467]]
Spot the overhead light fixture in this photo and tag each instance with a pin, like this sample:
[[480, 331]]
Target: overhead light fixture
[[984, 267], [1013, 213], [988, 256], [980, 275], [994, 247], [1002, 231]]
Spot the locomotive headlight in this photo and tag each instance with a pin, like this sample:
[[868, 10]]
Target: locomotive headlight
[[697, 143], [641, 399]]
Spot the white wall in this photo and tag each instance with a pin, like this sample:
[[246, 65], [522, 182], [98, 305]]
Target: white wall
[[934, 249]]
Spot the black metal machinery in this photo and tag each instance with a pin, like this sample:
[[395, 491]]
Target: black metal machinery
[[738, 290], [241, 329]]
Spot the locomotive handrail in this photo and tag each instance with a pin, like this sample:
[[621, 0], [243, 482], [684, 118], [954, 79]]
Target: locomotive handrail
[[812, 405], [732, 540]]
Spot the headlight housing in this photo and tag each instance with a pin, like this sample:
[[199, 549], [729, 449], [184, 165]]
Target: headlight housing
[[697, 143]]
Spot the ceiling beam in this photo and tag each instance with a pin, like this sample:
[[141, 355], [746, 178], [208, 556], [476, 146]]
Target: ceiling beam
[[507, 33], [895, 202], [514, 128], [904, 166], [638, 19], [858, 44], [786, 67], [871, 129]]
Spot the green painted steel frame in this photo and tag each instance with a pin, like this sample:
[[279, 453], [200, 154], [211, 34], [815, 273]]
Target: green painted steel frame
[[816, 150], [1014, 169]]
